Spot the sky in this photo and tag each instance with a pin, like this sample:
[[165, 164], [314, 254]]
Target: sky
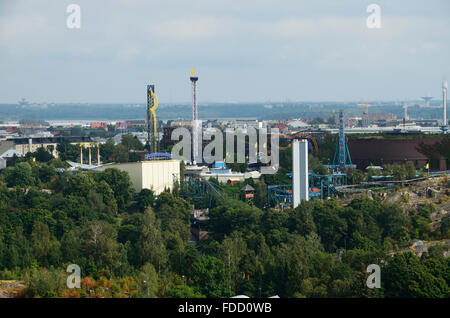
[[242, 51]]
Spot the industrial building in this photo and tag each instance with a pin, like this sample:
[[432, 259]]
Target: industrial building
[[373, 151], [157, 175]]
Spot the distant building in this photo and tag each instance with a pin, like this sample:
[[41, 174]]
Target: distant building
[[283, 128], [242, 123], [181, 123], [2, 163], [29, 129], [371, 151], [225, 175], [199, 221], [298, 124], [141, 136], [100, 125], [382, 116], [372, 118], [122, 125], [10, 128], [7, 152], [25, 145]]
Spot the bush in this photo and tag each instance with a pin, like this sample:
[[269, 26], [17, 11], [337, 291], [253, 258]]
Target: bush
[[46, 283]]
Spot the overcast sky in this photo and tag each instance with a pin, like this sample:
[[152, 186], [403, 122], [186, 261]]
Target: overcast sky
[[242, 50]]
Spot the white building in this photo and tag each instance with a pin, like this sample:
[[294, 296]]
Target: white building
[[7, 151], [156, 175], [298, 124]]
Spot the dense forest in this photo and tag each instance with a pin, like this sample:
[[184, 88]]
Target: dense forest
[[138, 244]]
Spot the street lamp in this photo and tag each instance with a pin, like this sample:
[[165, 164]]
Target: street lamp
[[148, 289]]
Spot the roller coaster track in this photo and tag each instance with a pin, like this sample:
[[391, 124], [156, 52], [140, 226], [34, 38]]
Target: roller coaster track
[[201, 191], [284, 137], [385, 183], [215, 189], [297, 136]]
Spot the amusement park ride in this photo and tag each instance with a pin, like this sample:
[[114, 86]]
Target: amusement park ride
[[320, 186], [204, 193], [152, 128]]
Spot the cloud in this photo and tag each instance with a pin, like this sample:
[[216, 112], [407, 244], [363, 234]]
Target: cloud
[[232, 43], [18, 28], [186, 29], [425, 48], [128, 53]]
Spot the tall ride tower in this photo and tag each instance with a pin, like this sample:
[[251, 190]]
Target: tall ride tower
[[342, 145], [152, 128], [195, 123], [342, 158]]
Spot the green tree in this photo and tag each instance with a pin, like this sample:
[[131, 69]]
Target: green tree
[[232, 251], [77, 131], [330, 226], [169, 207], [46, 172], [399, 172], [234, 215], [19, 254], [20, 175], [355, 176], [410, 170], [210, 277], [445, 226], [42, 242], [301, 220], [261, 194], [404, 276], [150, 245], [67, 151], [81, 184], [70, 247], [316, 166], [46, 283], [107, 150], [120, 183], [146, 198], [120, 153], [98, 240], [183, 291], [131, 142], [147, 281], [374, 172], [43, 155]]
